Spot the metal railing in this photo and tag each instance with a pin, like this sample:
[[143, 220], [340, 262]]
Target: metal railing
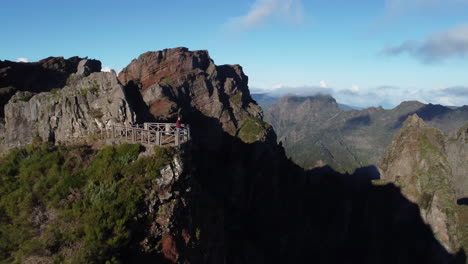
[[160, 134]]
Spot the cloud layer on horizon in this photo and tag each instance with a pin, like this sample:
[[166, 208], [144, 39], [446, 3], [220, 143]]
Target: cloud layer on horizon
[[262, 11], [438, 46], [22, 60], [386, 96]]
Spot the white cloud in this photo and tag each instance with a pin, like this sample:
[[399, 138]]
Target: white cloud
[[22, 60], [386, 96], [450, 43], [264, 10], [106, 69], [391, 96], [299, 90], [354, 88], [323, 84]]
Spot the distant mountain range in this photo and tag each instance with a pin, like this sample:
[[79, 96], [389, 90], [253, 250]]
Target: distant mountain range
[[317, 131], [264, 100]]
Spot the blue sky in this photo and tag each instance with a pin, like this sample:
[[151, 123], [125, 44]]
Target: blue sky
[[376, 52]]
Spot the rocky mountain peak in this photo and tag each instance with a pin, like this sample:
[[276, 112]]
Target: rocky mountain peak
[[417, 162], [174, 82], [414, 121], [157, 66]]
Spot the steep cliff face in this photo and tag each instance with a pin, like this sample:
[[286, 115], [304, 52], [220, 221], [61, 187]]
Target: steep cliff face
[[417, 162], [41, 76], [82, 107], [179, 81]]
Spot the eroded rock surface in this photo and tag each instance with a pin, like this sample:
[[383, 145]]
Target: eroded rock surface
[[41, 76], [179, 81], [85, 105], [417, 162]]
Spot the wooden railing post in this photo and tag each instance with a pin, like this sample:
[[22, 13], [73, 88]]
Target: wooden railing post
[[158, 138], [133, 135]]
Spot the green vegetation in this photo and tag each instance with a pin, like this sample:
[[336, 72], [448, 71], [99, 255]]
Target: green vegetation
[[71, 79], [93, 88], [73, 204], [252, 129], [25, 97], [84, 91], [236, 99], [380, 182]]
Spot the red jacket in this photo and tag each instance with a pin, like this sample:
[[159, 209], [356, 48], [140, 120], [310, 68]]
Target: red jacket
[[177, 124]]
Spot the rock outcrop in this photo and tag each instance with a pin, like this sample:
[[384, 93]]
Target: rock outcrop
[[82, 107], [41, 76], [417, 162], [177, 81]]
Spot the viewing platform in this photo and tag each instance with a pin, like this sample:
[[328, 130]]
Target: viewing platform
[[157, 134]]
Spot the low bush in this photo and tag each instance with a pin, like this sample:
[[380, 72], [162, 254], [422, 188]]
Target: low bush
[[57, 200]]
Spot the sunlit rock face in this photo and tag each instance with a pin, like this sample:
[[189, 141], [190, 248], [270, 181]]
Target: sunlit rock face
[[84, 106], [177, 81]]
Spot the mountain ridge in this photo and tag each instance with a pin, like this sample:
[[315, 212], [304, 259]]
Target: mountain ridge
[[230, 195], [365, 133]]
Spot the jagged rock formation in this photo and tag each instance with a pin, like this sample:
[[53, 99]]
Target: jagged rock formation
[[417, 162], [82, 107], [233, 197], [315, 131], [41, 76], [179, 81]]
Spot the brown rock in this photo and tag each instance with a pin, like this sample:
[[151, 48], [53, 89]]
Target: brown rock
[[179, 81]]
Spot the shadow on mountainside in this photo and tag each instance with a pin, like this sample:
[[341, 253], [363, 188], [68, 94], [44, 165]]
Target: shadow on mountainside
[[462, 201], [253, 205], [358, 121], [427, 113]]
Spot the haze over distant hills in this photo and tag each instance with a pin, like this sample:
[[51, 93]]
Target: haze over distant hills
[[316, 131]]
